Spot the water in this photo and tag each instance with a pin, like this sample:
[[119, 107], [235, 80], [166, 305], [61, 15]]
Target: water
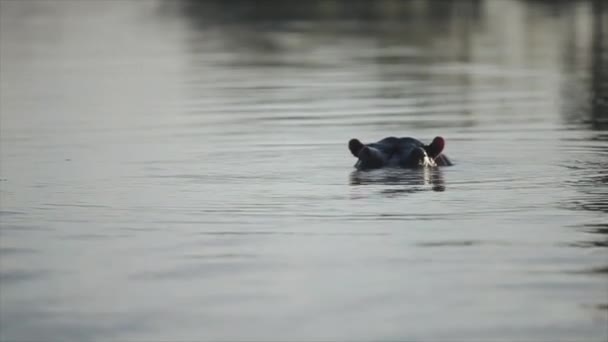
[[172, 171]]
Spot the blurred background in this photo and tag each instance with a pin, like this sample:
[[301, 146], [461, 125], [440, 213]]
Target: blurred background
[[179, 170]]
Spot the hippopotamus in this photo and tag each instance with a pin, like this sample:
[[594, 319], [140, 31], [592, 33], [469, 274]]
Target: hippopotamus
[[398, 152]]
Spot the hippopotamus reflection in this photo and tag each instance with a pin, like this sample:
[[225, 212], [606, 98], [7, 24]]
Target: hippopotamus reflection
[[398, 152], [395, 182]]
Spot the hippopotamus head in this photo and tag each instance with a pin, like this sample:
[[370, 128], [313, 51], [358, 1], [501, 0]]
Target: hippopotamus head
[[398, 152]]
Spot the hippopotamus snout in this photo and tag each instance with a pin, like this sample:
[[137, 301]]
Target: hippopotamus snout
[[398, 152]]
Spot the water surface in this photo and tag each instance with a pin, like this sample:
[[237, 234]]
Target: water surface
[[178, 171]]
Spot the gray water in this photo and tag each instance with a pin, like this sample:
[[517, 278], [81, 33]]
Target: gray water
[[172, 171]]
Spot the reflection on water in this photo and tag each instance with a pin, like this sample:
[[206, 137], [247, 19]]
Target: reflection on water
[[599, 67], [589, 178], [400, 181], [179, 170]]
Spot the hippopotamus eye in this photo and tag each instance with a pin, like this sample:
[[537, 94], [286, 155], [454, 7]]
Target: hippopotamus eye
[[418, 156]]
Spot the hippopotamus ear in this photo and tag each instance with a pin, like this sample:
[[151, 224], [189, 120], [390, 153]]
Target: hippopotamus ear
[[436, 147], [355, 146]]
